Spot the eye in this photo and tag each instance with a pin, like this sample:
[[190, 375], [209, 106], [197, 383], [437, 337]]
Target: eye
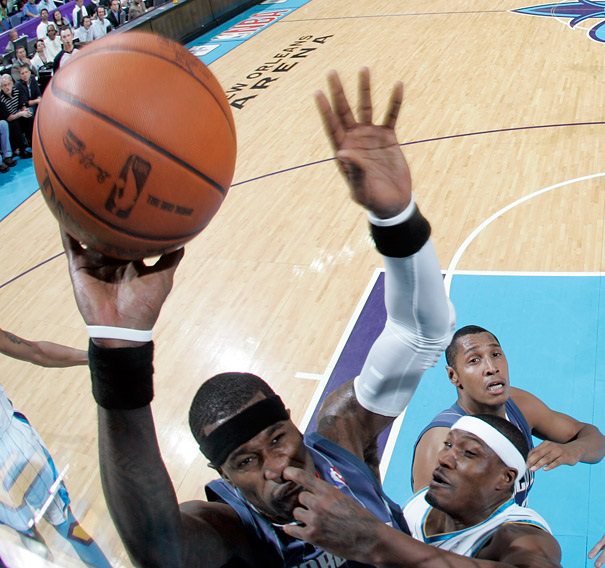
[[473, 361], [277, 439], [245, 462], [447, 444], [470, 454], [497, 354]]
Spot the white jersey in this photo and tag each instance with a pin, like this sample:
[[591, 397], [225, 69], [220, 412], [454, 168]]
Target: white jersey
[[467, 542]]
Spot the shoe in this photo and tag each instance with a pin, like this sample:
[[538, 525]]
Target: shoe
[[10, 162], [25, 154], [3, 168]]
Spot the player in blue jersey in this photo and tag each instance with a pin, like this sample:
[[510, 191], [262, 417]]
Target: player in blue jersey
[[466, 518], [477, 367], [242, 427], [28, 470]]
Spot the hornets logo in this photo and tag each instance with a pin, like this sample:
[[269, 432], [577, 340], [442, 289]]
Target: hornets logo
[[575, 12]]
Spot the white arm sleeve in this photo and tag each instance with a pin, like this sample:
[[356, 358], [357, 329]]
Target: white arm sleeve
[[420, 324]]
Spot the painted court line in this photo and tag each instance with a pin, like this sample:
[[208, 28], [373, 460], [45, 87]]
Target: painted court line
[[473, 235]]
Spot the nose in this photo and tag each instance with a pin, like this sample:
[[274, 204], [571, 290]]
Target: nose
[[490, 367], [274, 465], [446, 458]]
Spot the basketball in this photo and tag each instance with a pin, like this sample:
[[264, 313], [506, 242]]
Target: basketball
[[134, 145]]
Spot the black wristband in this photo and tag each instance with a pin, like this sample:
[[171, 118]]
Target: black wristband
[[122, 379], [402, 240]]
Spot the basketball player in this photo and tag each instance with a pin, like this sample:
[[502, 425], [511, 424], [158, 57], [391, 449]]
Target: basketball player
[[242, 427], [23, 455], [466, 518], [477, 367], [599, 549]]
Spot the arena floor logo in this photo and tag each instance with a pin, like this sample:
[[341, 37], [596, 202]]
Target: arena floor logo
[[576, 12]]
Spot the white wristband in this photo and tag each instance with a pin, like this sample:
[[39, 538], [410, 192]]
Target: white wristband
[[108, 332], [397, 220]]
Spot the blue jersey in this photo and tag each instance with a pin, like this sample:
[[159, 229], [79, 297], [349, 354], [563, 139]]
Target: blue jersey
[[447, 417], [336, 466]]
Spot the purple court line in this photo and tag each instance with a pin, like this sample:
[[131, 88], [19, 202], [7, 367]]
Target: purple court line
[[30, 269], [293, 168], [437, 139]]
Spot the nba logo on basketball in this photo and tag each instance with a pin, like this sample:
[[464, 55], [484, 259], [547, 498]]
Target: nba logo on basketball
[[128, 187]]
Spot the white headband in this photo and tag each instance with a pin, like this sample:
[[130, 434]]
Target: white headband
[[499, 443]]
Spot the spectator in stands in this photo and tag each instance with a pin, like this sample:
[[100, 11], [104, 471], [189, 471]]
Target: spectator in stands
[[30, 10], [43, 25], [116, 15], [5, 148], [13, 109], [30, 89], [68, 51], [78, 13], [12, 38], [5, 22], [52, 42], [137, 8], [84, 32], [48, 4], [100, 26], [40, 58], [60, 21], [21, 60]]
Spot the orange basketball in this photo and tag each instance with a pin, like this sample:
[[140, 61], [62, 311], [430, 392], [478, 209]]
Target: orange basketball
[[134, 145]]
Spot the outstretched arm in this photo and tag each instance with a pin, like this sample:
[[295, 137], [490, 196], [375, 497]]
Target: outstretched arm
[[137, 487], [43, 353], [335, 522], [567, 440], [419, 322]]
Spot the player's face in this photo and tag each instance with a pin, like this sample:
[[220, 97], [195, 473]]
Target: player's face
[[256, 467], [67, 38], [469, 478], [480, 373]]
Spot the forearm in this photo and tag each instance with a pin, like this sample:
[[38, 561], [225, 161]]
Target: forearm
[[137, 488], [590, 443], [419, 322], [393, 549], [43, 353]]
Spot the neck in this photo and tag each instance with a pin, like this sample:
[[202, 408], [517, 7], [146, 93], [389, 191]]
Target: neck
[[473, 407], [440, 522]]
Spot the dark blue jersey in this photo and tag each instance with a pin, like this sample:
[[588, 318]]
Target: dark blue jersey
[[336, 466], [447, 417]]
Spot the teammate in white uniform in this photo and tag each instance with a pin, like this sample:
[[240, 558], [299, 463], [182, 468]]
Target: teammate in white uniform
[[466, 518]]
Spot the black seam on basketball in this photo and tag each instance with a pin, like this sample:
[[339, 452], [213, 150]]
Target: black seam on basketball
[[93, 214], [71, 99], [84, 53]]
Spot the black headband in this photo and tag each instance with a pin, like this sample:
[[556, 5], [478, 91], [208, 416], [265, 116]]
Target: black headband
[[242, 427]]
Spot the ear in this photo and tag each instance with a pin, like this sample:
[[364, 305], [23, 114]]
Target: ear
[[453, 377], [507, 480]]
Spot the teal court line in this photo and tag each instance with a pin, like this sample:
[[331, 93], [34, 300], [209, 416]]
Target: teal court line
[[551, 330]]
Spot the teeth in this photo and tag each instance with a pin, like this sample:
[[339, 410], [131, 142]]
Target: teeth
[[497, 386]]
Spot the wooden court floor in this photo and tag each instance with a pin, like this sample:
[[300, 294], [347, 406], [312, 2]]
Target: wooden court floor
[[498, 106]]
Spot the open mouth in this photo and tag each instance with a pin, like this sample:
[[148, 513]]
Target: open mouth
[[439, 479], [496, 387]]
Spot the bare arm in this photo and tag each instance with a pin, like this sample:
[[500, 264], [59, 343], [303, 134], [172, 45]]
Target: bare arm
[[137, 487], [43, 353], [567, 440], [425, 457], [334, 522]]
